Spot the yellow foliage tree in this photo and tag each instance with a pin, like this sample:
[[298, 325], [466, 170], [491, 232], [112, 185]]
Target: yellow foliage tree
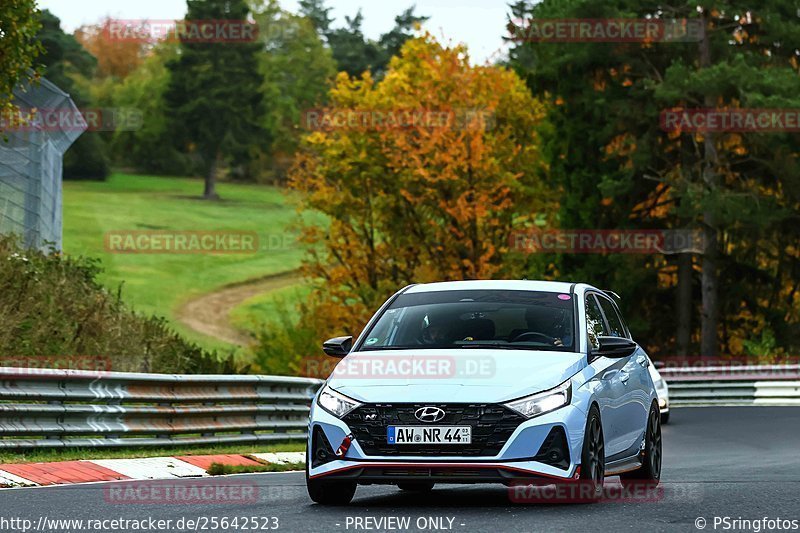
[[422, 176]]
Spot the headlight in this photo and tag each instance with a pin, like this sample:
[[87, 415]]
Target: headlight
[[543, 402], [336, 404]]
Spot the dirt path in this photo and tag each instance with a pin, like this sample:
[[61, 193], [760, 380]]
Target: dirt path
[[209, 314]]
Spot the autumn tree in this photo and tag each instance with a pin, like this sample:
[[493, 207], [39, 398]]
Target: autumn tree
[[115, 57], [423, 180]]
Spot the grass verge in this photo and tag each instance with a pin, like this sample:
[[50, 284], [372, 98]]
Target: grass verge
[[74, 454], [217, 469]]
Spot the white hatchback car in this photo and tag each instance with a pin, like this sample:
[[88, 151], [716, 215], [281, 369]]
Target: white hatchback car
[[486, 382]]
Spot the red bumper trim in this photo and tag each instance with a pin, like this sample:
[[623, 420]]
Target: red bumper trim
[[486, 466]]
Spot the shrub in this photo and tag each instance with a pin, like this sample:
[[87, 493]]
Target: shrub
[[288, 348], [51, 306]]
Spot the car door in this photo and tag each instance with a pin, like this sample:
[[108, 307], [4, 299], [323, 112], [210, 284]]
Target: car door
[[610, 391], [634, 378]]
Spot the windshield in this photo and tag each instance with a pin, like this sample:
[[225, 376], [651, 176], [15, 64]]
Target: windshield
[[527, 320]]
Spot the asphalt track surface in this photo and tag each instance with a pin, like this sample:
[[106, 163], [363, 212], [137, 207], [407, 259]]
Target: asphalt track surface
[[737, 462]]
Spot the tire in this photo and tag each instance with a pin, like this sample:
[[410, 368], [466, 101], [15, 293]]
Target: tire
[[649, 473], [665, 418], [416, 486], [593, 458], [327, 492]]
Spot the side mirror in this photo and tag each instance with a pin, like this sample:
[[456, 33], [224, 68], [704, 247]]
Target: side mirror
[[338, 346], [615, 347]]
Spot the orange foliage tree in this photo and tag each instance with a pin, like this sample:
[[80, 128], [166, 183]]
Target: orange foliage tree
[[421, 175], [115, 57]]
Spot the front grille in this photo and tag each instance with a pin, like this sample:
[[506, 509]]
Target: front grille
[[491, 424]]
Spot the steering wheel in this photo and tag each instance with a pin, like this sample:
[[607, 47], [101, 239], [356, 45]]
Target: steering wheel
[[522, 336]]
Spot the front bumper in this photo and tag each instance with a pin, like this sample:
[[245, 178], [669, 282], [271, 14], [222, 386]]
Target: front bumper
[[376, 472], [515, 459]]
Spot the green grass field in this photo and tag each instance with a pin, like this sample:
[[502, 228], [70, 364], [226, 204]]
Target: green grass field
[[159, 283], [253, 312]]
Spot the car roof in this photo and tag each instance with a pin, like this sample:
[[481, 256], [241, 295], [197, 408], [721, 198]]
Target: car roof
[[509, 285]]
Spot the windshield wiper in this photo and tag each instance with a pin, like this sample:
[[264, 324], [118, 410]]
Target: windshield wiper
[[502, 346], [379, 348], [498, 345]]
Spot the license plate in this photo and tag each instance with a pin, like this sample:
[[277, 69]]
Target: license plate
[[429, 435]]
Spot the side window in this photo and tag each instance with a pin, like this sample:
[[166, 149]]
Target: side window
[[594, 322], [615, 327]]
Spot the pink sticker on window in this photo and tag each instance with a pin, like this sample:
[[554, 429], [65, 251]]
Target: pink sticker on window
[[563, 297]]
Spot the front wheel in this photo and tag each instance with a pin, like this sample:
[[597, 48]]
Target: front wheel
[[327, 492], [593, 458], [650, 471]]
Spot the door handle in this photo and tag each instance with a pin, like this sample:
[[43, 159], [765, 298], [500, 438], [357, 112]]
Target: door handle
[[642, 360], [624, 376]]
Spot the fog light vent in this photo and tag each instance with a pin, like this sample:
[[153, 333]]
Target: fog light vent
[[322, 451], [554, 451]]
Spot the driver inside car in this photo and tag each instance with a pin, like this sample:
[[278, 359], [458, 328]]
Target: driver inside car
[[435, 332], [541, 320]]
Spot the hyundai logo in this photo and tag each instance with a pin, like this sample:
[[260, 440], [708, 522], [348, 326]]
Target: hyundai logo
[[429, 414]]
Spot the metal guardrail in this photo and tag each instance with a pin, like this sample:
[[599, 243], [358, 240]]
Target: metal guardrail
[[735, 385], [72, 408]]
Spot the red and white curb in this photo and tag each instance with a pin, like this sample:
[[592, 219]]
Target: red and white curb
[[86, 471]]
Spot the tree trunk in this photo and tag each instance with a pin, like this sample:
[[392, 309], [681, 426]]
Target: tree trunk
[[709, 282], [210, 192], [684, 304]]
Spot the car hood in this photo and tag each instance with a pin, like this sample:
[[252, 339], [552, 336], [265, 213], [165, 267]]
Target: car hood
[[452, 376]]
